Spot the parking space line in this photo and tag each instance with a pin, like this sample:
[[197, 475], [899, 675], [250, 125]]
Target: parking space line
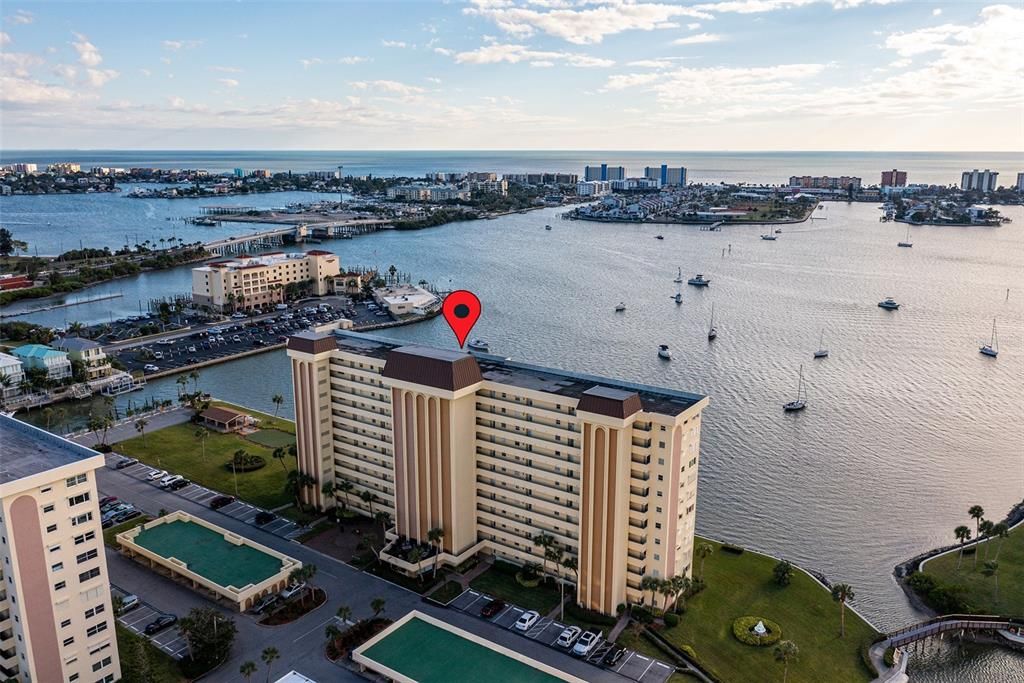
[[645, 671], [626, 660]]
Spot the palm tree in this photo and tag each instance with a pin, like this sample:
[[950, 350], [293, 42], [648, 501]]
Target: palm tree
[[665, 588], [785, 651], [368, 497], [279, 454], [268, 656], [991, 568], [327, 489], [703, 551], [648, 583], [345, 486], [841, 592], [415, 555], [332, 632], [384, 517], [47, 415], [344, 613], [963, 534], [377, 605], [278, 401], [986, 530], [976, 512], [140, 427], [1000, 531], [247, 669], [182, 382], [434, 536], [202, 433], [680, 584], [76, 328], [544, 541]]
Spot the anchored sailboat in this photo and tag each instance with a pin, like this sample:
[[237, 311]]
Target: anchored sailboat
[[992, 348], [712, 332], [822, 352], [801, 398]]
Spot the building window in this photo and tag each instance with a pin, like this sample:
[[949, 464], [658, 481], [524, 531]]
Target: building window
[[65, 623], [93, 611], [55, 549], [661, 461], [82, 538], [48, 508], [77, 479], [98, 628], [661, 478], [57, 567], [59, 585], [661, 444], [657, 525], [81, 519], [91, 574], [72, 678], [659, 494], [69, 641], [79, 499], [86, 556]]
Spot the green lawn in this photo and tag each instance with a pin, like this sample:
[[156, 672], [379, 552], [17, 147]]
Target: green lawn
[[162, 669], [267, 421], [109, 535], [741, 585], [176, 449], [500, 582], [980, 589], [447, 592], [272, 438]]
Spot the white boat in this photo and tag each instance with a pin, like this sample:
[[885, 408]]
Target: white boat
[[663, 352], [620, 308], [906, 242], [889, 304], [822, 352], [547, 227], [801, 398], [699, 280], [712, 332], [478, 345], [992, 348], [679, 277], [770, 237], [678, 298]]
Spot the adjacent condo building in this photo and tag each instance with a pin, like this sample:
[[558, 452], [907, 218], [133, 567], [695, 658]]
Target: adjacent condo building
[[666, 175], [894, 178], [983, 181], [496, 453], [604, 172], [56, 619], [253, 281]]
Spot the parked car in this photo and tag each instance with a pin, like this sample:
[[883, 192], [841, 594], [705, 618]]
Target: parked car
[[586, 644], [149, 367], [125, 515], [159, 355], [264, 603], [526, 620], [178, 484], [264, 517], [125, 462], [165, 342], [568, 637], [160, 623], [613, 656], [192, 348], [156, 474], [493, 608], [105, 500], [292, 590], [236, 338], [169, 479], [128, 603], [116, 510], [221, 501]]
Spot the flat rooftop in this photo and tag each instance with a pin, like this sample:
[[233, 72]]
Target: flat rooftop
[[26, 450], [206, 553], [527, 376], [426, 653]]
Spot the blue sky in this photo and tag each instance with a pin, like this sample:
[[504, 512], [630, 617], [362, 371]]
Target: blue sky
[[514, 74]]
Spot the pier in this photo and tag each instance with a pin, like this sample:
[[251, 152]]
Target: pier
[[66, 304], [292, 234]]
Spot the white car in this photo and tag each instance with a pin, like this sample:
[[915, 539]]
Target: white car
[[585, 645], [165, 342], [527, 620], [129, 602], [159, 355], [156, 474], [168, 480], [292, 590], [149, 367], [239, 316], [192, 349], [569, 636], [281, 307]]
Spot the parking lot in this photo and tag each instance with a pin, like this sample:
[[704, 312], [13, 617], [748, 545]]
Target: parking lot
[[633, 665], [279, 526], [168, 640]]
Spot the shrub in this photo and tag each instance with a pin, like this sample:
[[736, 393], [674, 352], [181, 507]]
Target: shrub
[[943, 598], [620, 608], [246, 462], [730, 548], [671, 620], [890, 656], [743, 629], [783, 573], [527, 581], [589, 616], [642, 614]]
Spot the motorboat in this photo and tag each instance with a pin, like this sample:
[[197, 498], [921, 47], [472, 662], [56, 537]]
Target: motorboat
[[889, 304], [620, 308], [663, 352], [906, 242], [992, 348], [478, 345], [822, 352], [801, 398], [547, 227], [679, 277], [678, 298], [659, 237], [698, 280], [769, 236]]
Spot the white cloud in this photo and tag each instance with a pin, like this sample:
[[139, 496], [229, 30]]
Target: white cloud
[[4, 39], [66, 72], [387, 87], [165, 60], [19, 63], [228, 82], [16, 91], [394, 43], [698, 39], [146, 72], [21, 17], [937, 11], [513, 54], [353, 60], [176, 45], [433, 79], [348, 61], [542, 64], [226, 69], [444, 51], [693, 26], [97, 78], [758, 6], [312, 61], [88, 54]]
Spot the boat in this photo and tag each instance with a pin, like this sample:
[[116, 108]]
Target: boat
[[679, 277], [712, 332], [478, 345], [678, 297], [698, 280], [663, 352], [659, 237], [801, 398], [822, 352], [770, 237], [547, 227], [620, 308], [906, 242], [992, 348], [889, 304], [778, 231]]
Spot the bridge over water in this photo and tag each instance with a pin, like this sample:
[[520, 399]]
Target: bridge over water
[[276, 237]]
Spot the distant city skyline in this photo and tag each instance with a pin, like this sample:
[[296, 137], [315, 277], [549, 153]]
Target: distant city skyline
[[514, 75]]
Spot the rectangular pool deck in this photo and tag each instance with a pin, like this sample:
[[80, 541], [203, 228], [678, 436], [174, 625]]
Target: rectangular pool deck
[[421, 649]]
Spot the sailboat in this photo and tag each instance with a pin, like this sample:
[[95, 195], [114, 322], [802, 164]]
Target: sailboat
[[992, 348], [906, 242], [679, 277], [801, 398], [822, 352], [712, 332]]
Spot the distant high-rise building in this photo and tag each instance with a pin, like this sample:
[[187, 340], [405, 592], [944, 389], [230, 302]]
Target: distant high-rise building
[[604, 172], [590, 188], [24, 168], [1020, 182], [983, 181], [824, 182], [894, 178], [666, 175]]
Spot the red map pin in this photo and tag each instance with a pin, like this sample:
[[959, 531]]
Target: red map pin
[[461, 309]]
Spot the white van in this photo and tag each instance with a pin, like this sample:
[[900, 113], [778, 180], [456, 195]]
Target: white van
[[281, 307]]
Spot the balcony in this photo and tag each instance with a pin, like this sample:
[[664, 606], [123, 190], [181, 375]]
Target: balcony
[[637, 555], [639, 507], [637, 491]]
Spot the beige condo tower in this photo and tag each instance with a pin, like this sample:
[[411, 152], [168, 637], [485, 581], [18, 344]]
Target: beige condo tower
[[495, 452]]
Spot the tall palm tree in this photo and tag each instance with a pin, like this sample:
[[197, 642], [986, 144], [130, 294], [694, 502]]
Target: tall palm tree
[[247, 669], [278, 401], [963, 534], [194, 376], [976, 512], [648, 583], [384, 518], [1000, 531], [704, 550], [368, 497], [377, 605], [680, 584], [140, 427], [986, 528], [327, 489], [202, 433], [666, 590], [841, 592], [544, 541], [344, 613], [279, 454], [786, 651], [268, 656], [435, 536], [182, 382], [991, 568], [345, 486], [48, 416]]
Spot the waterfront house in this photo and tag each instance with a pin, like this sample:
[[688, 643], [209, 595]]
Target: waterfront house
[[88, 352], [224, 419], [14, 374], [56, 363]]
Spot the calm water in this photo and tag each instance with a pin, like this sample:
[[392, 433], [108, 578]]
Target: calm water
[[907, 425]]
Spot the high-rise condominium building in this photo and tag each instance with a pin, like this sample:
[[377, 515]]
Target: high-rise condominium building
[[247, 281], [497, 453], [666, 175], [1020, 182], [984, 181], [604, 172], [894, 178], [56, 620]]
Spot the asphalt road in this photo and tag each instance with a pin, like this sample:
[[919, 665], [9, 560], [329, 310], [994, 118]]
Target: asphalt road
[[301, 642]]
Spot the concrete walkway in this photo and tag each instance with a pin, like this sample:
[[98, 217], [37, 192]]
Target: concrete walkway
[[125, 428]]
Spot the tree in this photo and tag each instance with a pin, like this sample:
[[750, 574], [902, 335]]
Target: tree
[[991, 569], [279, 455], [194, 376], [182, 382], [296, 482], [665, 588], [977, 513], [209, 635], [377, 605], [544, 541], [48, 416], [963, 534], [6, 242], [785, 652], [704, 550], [435, 536], [247, 669], [841, 592], [344, 613], [383, 517], [202, 433], [986, 530], [327, 490], [140, 427], [345, 486], [783, 573], [648, 583], [278, 401], [268, 656], [135, 664], [680, 584], [415, 555], [368, 497], [1000, 531]]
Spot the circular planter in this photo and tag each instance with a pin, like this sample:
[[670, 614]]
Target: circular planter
[[256, 463], [743, 629], [527, 583]]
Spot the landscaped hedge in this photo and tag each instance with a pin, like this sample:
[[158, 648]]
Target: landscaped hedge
[[943, 598], [742, 628], [246, 463], [671, 620], [527, 582], [589, 616], [730, 548]]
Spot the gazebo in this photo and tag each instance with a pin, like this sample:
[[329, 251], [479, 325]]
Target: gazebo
[[224, 419]]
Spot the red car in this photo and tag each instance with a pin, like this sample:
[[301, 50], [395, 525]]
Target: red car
[[492, 608]]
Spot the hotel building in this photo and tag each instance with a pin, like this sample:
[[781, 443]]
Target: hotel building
[[249, 281], [666, 175], [604, 172], [824, 182], [894, 178], [984, 181], [56, 619], [496, 452]]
